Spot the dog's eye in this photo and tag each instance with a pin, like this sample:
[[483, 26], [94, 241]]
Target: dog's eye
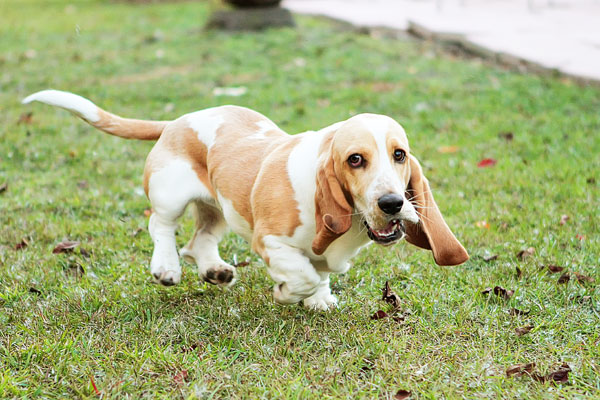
[[399, 155], [356, 160]]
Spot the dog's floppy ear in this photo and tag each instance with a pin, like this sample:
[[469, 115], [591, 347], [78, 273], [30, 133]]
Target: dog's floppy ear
[[431, 232], [333, 210]]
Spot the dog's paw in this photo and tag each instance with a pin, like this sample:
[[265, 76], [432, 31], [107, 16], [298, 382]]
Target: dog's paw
[[165, 267], [321, 301], [222, 275], [167, 277]]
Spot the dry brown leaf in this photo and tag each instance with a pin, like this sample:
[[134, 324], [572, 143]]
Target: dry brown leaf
[[242, 264], [390, 297], [22, 244], [402, 394], [65, 247], [379, 315], [34, 291], [487, 290], [508, 136], [505, 293], [519, 272], [520, 369], [563, 219], [561, 375], [523, 254], [564, 278], [524, 330], [25, 118], [581, 278], [553, 269], [3, 187]]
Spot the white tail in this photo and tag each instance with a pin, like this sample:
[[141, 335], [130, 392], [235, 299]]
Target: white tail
[[97, 117]]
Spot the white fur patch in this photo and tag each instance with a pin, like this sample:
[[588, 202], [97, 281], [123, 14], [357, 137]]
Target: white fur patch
[[78, 105], [206, 123], [172, 187]]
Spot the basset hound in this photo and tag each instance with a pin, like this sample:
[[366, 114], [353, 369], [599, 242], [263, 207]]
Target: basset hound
[[307, 203]]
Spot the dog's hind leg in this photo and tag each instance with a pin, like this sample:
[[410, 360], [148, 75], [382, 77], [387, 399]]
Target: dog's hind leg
[[203, 248], [171, 184]]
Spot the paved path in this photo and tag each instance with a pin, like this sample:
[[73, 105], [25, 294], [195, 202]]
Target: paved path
[[562, 35]]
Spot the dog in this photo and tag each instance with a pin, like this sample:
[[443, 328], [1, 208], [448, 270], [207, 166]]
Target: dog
[[306, 203]]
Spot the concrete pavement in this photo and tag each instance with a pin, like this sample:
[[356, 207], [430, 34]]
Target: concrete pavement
[[549, 35]]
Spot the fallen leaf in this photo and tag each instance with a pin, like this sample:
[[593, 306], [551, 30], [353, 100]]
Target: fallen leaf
[[500, 291], [523, 254], [448, 149], [564, 278], [553, 269], [84, 252], [482, 224], [519, 272], [487, 290], [402, 394], [520, 369], [524, 330], [65, 247], [34, 291], [3, 187], [591, 180], [561, 375], [583, 278], [379, 315], [242, 264], [181, 377], [22, 244], [83, 184], [25, 118], [563, 219], [516, 311], [491, 257], [390, 297], [486, 162], [508, 136]]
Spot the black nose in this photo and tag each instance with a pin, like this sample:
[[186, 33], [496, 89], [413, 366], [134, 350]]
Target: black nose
[[390, 203]]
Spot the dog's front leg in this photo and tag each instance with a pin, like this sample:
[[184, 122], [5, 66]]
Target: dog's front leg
[[322, 299], [294, 275]]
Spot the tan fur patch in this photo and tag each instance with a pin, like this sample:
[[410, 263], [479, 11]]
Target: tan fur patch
[[273, 203], [179, 141], [234, 176]]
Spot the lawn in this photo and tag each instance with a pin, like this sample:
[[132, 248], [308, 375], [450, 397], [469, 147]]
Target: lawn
[[91, 323]]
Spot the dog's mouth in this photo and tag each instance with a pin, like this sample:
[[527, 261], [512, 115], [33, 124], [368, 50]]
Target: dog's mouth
[[392, 232]]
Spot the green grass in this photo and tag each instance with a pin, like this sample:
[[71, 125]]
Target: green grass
[[134, 338]]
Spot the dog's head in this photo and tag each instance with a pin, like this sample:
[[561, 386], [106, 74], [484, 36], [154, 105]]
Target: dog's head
[[366, 168]]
